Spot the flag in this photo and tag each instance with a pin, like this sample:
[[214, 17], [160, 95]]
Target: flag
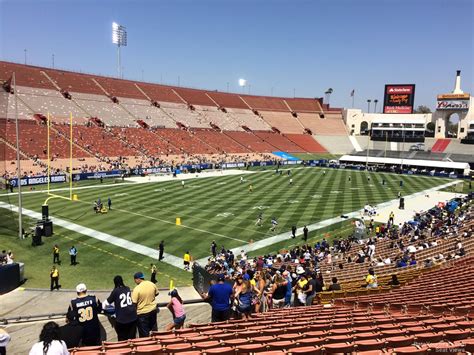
[[352, 93]]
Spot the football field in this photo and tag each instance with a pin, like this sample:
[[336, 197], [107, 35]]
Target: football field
[[219, 208]]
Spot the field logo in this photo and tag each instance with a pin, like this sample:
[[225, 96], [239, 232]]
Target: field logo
[[225, 214], [260, 207]]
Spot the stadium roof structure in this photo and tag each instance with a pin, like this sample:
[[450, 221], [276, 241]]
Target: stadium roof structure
[[407, 162]]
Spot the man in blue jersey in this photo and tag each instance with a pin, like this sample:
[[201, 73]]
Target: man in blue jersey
[[220, 295], [85, 310]]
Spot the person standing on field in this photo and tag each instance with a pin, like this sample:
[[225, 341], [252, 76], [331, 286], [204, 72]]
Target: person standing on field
[[73, 255], [54, 275], [153, 270], [161, 250], [56, 255]]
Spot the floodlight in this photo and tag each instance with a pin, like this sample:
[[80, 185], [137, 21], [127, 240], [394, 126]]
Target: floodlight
[[119, 37], [242, 82]]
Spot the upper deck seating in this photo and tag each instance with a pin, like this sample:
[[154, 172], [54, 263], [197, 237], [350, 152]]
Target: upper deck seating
[[284, 121], [102, 107], [76, 82], [160, 93], [304, 105], [181, 113], [319, 126], [44, 101], [25, 75], [247, 118], [228, 100], [195, 97], [223, 120], [280, 142], [121, 88], [265, 103], [143, 110]]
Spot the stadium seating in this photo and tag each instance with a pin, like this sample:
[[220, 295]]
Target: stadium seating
[[219, 118], [195, 97], [335, 144], [51, 102], [319, 126], [265, 103], [220, 141], [251, 141], [283, 121], [181, 113], [187, 141], [280, 142], [300, 105], [248, 119], [227, 100], [307, 142], [74, 82], [143, 110]]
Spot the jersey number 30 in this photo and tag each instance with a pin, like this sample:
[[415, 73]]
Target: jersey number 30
[[125, 300], [85, 314]]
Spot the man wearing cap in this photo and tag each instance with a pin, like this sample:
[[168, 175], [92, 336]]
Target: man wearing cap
[[220, 295], [84, 310], [143, 296]]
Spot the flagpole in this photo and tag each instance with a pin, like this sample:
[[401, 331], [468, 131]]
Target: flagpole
[[353, 96], [20, 210]]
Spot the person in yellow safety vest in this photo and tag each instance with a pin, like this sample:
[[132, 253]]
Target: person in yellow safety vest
[[187, 260], [391, 217], [54, 275], [56, 255]]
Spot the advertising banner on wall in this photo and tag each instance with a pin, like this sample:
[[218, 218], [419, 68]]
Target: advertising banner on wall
[[455, 102], [38, 180], [399, 98]]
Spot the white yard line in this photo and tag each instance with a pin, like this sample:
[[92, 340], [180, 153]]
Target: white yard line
[[122, 243], [327, 222]]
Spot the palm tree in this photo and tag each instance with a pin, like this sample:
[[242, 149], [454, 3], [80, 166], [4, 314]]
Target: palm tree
[[368, 105], [375, 102]]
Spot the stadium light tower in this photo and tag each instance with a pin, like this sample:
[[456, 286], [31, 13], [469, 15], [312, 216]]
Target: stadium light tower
[[119, 37], [242, 84]]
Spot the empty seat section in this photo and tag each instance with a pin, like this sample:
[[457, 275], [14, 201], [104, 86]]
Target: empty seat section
[[195, 97], [181, 113], [8, 108], [24, 75], [220, 141], [151, 115], [251, 141], [335, 144], [228, 100], [120, 88], [284, 121], [74, 82], [45, 101], [280, 142], [304, 105], [307, 142], [102, 107], [146, 141], [186, 141], [321, 126], [249, 119], [160, 93], [221, 119], [98, 140], [265, 103]]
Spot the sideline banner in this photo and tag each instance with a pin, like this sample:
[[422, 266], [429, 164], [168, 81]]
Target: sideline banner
[[38, 180]]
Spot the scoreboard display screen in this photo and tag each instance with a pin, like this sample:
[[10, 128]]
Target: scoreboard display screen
[[399, 98]]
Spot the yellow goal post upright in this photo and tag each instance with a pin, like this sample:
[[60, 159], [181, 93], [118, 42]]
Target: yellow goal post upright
[[48, 149]]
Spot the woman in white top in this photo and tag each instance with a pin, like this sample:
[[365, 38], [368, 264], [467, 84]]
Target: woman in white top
[[49, 342]]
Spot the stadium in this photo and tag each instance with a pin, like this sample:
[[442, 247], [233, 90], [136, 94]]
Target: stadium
[[143, 217]]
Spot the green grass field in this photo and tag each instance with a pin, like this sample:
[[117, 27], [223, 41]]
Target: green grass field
[[215, 208]]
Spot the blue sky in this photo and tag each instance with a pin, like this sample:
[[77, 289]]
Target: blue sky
[[284, 46]]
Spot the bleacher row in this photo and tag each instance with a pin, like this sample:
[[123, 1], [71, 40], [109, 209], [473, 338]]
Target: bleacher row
[[375, 324]]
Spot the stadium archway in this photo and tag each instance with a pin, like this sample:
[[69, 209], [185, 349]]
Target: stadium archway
[[364, 127]]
